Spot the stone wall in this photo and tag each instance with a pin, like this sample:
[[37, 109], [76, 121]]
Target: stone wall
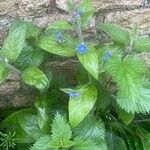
[[42, 12]]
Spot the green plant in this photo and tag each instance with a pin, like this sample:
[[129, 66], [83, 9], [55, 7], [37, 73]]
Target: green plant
[[108, 108]]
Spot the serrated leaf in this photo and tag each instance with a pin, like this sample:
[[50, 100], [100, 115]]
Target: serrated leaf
[[142, 44], [42, 143], [60, 25], [132, 97], [85, 145], [35, 77], [4, 71], [50, 45], [125, 116], [91, 128], [90, 61], [80, 106], [30, 57], [117, 33], [14, 43], [61, 133]]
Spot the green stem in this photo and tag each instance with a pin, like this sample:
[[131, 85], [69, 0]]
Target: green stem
[[79, 30]]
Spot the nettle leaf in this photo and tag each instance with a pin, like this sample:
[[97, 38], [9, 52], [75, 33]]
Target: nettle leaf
[[24, 122], [30, 57], [132, 97], [117, 33], [142, 44], [90, 61], [4, 71], [50, 45], [35, 77], [61, 25], [14, 43], [43, 143], [125, 116], [61, 133], [82, 104], [85, 145], [91, 128]]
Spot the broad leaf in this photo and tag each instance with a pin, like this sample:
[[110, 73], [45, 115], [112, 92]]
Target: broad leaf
[[146, 141], [4, 71], [114, 142], [117, 33], [61, 133], [142, 44], [14, 43], [125, 116], [52, 46], [61, 25], [90, 61], [132, 97], [81, 105], [12, 123], [91, 128], [35, 77], [85, 145]]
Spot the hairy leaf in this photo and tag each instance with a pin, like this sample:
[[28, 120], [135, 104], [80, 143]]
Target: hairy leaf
[[91, 128], [52, 46], [117, 33], [90, 61], [132, 97], [142, 44], [61, 25], [35, 77], [61, 133], [4, 71], [14, 43]]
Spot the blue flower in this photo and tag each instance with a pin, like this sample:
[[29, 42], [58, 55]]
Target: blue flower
[[107, 56], [77, 14], [82, 48], [59, 37], [74, 94]]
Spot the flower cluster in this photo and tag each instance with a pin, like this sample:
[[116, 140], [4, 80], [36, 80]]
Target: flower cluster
[[107, 56], [74, 94], [82, 48]]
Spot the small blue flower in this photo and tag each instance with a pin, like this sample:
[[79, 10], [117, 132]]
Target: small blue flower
[[107, 56], [74, 94], [82, 48], [59, 37], [77, 14]]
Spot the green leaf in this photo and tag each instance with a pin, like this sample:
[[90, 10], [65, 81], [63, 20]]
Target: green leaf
[[90, 61], [117, 33], [91, 128], [125, 116], [32, 31], [85, 145], [30, 57], [61, 133], [142, 44], [146, 141], [50, 45], [114, 142], [14, 43], [80, 106], [42, 143], [4, 71], [132, 97], [13, 123], [35, 77], [60, 25]]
